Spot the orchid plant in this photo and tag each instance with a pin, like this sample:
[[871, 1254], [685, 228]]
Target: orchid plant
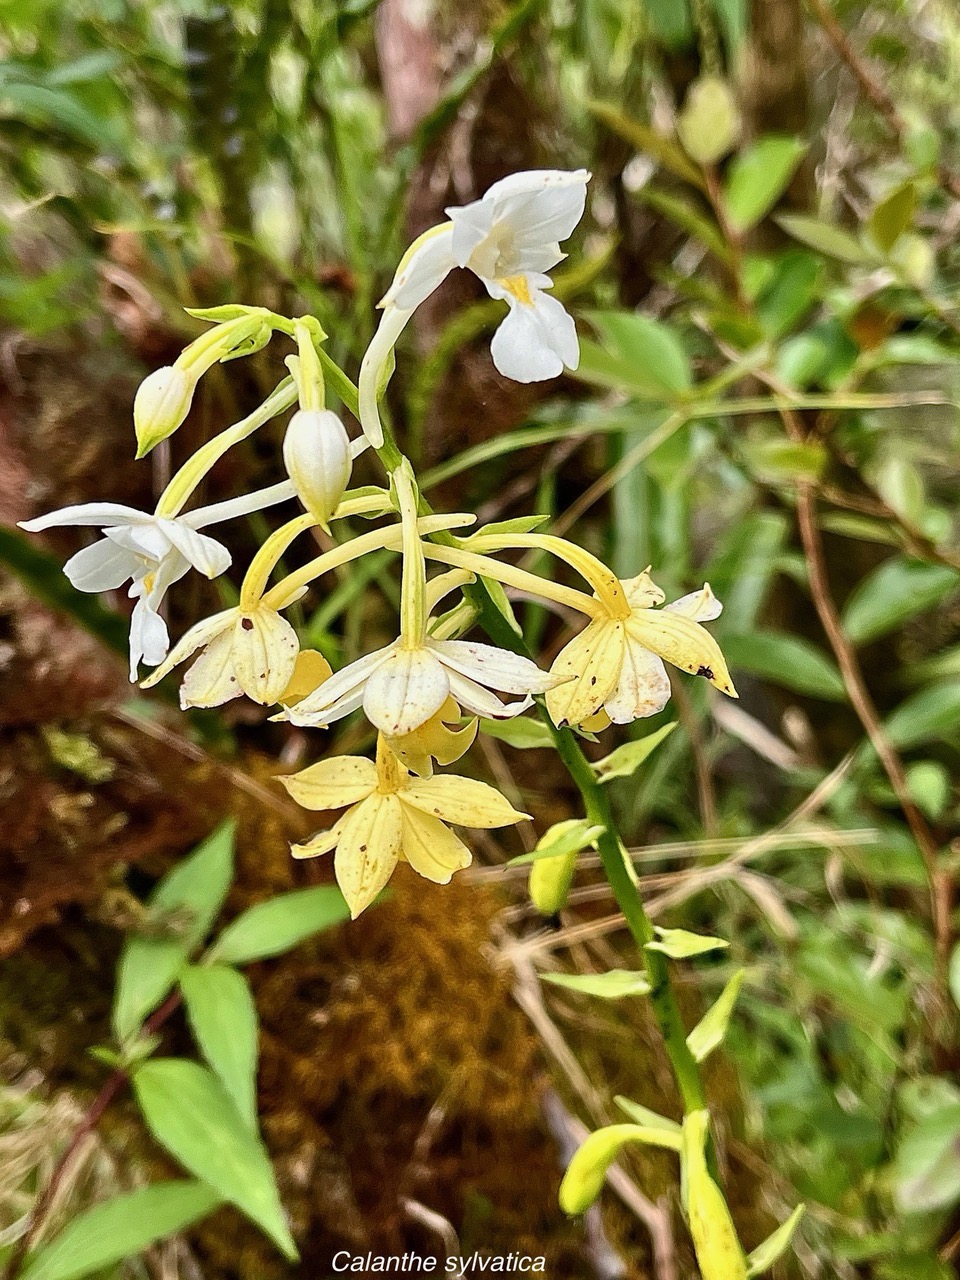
[[427, 692]]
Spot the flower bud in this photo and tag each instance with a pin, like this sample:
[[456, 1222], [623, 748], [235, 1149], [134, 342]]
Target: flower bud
[[162, 402], [316, 453]]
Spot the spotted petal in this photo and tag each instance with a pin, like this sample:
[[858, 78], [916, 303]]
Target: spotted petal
[[334, 783], [265, 649], [198, 635], [464, 801], [683, 642], [493, 667], [643, 688], [432, 849], [367, 850], [405, 691], [592, 660]]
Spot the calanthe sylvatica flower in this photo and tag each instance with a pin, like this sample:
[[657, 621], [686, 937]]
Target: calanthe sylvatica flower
[[164, 397], [392, 815], [615, 665], [509, 238], [151, 552], [404, 684]]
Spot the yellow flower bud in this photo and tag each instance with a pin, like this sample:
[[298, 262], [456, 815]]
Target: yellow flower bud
[[316, 453], [715, 1241], [550, 880], [161, 404]]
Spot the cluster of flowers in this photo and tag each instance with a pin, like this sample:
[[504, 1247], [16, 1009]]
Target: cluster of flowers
[[425, 692]]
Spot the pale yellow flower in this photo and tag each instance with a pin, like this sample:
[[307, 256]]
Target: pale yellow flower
[[392, 816], [436, 739], [614, 667]]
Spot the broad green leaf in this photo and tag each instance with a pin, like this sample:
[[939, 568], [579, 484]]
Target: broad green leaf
[[758, 178], [190, 897], [775, 1246], [925, 716], [893, 216], [272, 927], [927, 1164], [120, 1228], [625, 760], [615, 984], [955, 975], [192, 1116], [709, 124], [712, 1027], [587, 1171], [644, 1116], [223, 1019], [649, 347], [784, 460], [678, 944], [789, 661], [824, 237], [894, 592], [646, 139], [521, 732], [54, 108]]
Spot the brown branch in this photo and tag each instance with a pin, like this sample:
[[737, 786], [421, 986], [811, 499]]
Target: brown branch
[[92, 1117], [871, 86], [862, 703]]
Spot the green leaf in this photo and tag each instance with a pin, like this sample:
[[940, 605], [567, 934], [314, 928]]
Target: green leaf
[[615, 984], [927, 715], [625, 760], [895, 591], [55, 109], [646, 139], [120, 1228], [572, 835], [520, 524], [789, 661], [192, 1116], [272, 927], [927, 1164], [893, 216], [644, 1116], [782, 461], [223, 1019], [824, 237], [712, 1027], [587, 1171], [649, 347], [955, 975], [678, 944], [689, 219], [758, 178], [521, 732], [194, 890], [775, 1246]]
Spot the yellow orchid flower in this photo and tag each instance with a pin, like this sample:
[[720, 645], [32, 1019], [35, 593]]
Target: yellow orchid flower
[[614, 667], [436, 739], [392, 816]]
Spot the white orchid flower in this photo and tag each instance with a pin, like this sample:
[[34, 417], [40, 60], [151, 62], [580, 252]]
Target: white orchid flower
[[509, 238], [151, 552]]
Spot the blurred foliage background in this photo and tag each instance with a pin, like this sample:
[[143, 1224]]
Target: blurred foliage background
[[767, 400]]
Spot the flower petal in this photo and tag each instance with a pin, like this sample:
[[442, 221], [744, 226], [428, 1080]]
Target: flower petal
[[432, 849], [94, 514], [103, 566], [323, 706], [535, 340], [593, 660], [198, 635], [212, 680], [701, 606], [423, 268], [643, 688], [367, 850], [333, 783], [480, 702], [683, 642], [265, 649], [642, 592], [320, 843], [464, 801], [493, 667], [405, 691], [149, 639], [202, 551]]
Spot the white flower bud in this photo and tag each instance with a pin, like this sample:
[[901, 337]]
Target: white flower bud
[[161, 404], [316, 453]]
